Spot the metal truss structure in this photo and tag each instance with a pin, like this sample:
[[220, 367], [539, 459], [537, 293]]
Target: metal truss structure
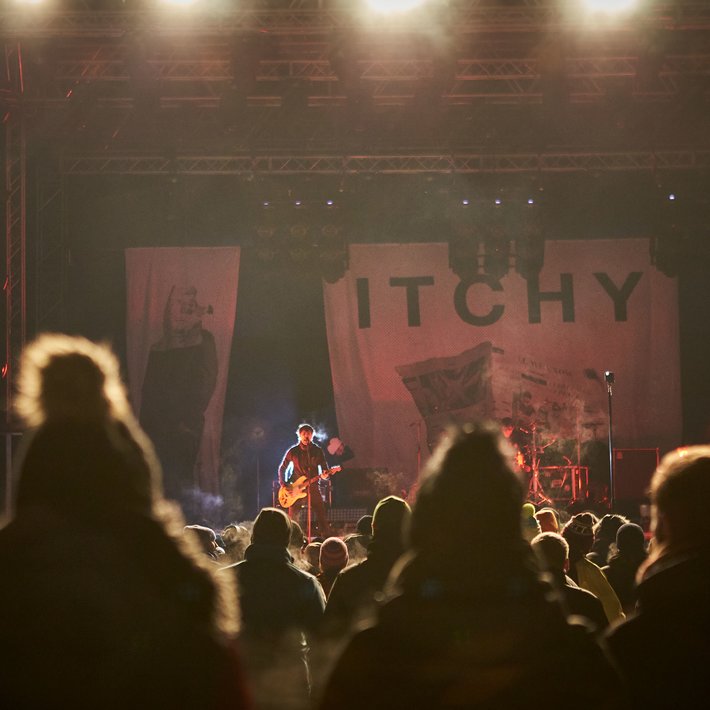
[[14, 286], [389, 82], [293, 88], [563, 162]]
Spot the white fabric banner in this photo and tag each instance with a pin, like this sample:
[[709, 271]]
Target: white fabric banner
[[412, 347], [181, 308]]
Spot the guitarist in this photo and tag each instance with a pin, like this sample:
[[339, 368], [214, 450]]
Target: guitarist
[[304, 459]]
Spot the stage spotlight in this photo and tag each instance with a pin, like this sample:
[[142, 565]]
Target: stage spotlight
[[179, 3], [671, 197], [610, 7], [392, 6], [465, 202], [329, 203]]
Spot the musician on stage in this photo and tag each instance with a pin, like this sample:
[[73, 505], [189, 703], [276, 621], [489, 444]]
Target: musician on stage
[[303, 459]]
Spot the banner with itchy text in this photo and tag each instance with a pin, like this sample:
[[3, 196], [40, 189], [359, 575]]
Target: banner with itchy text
[[414, 347], [181, 308]]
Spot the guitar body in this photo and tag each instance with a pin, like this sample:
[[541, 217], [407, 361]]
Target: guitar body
[[298, 489]]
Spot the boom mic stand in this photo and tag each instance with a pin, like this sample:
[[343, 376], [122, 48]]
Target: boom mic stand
[[609, 379], [308, 498]]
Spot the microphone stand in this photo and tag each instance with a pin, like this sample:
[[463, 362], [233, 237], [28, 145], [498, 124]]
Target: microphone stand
[[609, 378], [308, 491], [419, 448]]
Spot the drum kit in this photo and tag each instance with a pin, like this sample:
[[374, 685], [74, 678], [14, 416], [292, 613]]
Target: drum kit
[[554, 485]]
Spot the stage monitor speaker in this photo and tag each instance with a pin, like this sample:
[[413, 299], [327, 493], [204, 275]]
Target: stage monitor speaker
[[633, 469]]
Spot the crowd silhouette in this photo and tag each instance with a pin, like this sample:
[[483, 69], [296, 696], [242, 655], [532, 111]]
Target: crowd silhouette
[[471, 598]]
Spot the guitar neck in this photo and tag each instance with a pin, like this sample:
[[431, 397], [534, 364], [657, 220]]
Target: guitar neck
[[324, 472], [315, 478]]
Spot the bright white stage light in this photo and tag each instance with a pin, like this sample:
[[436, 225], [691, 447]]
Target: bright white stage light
[[179, 3], [391, 6], [464, 202], [610, 6]]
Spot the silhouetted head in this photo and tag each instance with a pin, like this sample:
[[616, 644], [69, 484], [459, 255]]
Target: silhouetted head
[[364, 525], [552, 551], [680, 490], [579, 533], [271, 527], [470, 499], [333, 555], [69, 378], [389, 518], [86, 452]]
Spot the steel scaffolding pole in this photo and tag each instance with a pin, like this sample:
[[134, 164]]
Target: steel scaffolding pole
[[14, 285]]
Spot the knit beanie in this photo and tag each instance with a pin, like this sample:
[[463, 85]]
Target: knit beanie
[[630, 539], [333, 554], [581, 525], [548, 520], [579, 533]]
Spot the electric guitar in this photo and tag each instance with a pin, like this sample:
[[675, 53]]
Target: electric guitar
[[298, 489]]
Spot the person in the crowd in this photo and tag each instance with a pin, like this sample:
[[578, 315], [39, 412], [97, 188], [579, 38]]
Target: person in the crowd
[[281, 609], [579, 534], [663, 648], [235, 539], [604, 537], [469, 622], [333, 559], [206, 539], [530, 525], [624, 563], [103, 602], [353, 593], [358, 541], [553, 552], [549, 520], [311, 557], [297, 540]]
